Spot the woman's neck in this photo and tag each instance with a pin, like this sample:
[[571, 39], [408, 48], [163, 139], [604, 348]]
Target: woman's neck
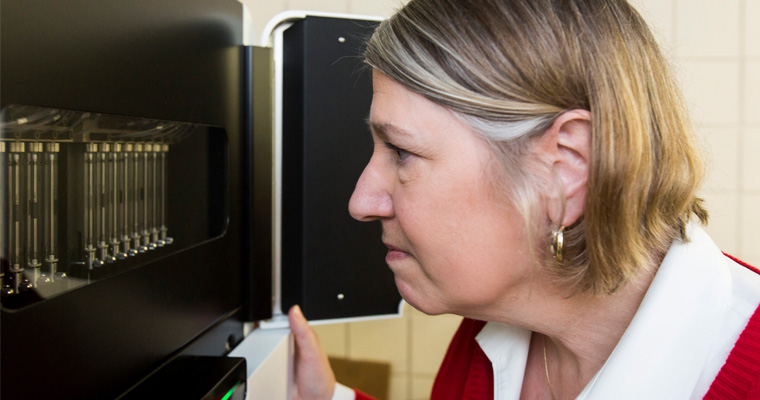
[[580, 331]]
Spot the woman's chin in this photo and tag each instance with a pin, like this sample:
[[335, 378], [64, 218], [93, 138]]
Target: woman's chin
[[416, 300]]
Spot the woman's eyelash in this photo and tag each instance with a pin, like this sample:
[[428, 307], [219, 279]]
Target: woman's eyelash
[[401, 153]]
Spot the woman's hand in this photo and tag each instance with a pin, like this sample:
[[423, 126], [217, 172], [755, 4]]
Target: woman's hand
[[313, 376]]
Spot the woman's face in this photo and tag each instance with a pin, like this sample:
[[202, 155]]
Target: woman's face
[[455, 244]]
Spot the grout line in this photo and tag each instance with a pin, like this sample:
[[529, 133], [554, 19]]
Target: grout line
[[674, 29], [716, 125], [347, 342], [742, 27], [710, 59]]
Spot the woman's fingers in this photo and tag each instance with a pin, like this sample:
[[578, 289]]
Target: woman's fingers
[[313, 376]]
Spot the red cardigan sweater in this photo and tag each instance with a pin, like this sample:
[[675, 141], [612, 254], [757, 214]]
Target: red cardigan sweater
[[466, 372], [739, 378]]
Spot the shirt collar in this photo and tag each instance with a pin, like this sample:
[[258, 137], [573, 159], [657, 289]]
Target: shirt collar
[[665, 347], [507, 348]]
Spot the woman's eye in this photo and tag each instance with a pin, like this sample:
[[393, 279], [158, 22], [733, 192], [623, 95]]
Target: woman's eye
[[400, 153]]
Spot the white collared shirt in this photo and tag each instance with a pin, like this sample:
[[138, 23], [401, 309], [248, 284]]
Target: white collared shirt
[[692, 314]]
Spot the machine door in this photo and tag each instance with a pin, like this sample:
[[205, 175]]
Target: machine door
[[330, 264]]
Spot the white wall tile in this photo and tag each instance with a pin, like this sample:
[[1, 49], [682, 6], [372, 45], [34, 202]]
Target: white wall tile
[[336, 6], [752, 28], [399, 389], [430, 340], [711, 89], [751, 162], [380, 8], [659, 16], [333, 339], [261, 11], [707, 28], [720, 147], [723, 226], [381, 340], [751, 258], [752, 91], [421, 387], [750, 249]]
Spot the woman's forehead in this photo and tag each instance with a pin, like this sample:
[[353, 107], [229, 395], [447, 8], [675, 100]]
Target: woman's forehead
[[400, 112]]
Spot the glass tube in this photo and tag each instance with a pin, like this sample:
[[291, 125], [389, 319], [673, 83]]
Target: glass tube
[[50, 188], [154, 196], [162, 196], [114, 162], [146, 191], [7, 288], [34, 212], [147, 151], [90, 206], [16, 211], [104, 216], [127, 198], [139, 196]]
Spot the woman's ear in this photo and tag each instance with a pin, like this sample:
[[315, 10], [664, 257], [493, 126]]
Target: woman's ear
[[566, 146]]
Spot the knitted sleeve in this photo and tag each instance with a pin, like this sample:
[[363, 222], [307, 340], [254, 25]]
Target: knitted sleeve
[[739, 378], [465, 372], [362, 396]]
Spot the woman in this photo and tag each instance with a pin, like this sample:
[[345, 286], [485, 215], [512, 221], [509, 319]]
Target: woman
[[534, 168]]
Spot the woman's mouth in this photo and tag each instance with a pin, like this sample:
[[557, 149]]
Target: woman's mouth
[[394, 254]]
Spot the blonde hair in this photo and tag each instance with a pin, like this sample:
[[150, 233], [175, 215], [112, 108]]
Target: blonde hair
[[508, 68]]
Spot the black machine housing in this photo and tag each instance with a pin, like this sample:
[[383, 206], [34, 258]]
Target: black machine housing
[[112, 66], [146, 59]]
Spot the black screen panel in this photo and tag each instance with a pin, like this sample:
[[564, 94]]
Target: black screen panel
[[332, 265]]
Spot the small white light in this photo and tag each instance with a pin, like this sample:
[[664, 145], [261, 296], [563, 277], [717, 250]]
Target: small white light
[[342, 39], [341, 296]]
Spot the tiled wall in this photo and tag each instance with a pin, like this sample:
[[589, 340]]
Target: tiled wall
[[263, 10], [715, 48], [414, 346]]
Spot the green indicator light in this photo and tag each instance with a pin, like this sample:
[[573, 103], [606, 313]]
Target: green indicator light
[[231, 391]]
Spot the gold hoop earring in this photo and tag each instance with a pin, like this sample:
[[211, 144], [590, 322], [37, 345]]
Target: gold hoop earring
[[557, 243]]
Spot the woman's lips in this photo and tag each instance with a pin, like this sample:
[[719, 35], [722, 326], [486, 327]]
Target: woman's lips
[[394, 254]]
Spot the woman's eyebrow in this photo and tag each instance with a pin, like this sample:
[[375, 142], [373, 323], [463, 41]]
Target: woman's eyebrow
[[383, 129]]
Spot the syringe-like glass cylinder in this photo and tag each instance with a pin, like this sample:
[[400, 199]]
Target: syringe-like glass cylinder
[[154, 196], [159, 209], [50, 190], [104, 218], [16, 212], [114, 163], [139, 197], [91, 205], [147, 192], [6, 284], [127, 208], [34, 212], [162, 195]]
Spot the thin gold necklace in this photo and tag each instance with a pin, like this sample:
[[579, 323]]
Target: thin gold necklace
[[546, 368]]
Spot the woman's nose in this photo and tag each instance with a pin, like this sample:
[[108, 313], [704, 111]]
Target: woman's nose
[[371, 199]]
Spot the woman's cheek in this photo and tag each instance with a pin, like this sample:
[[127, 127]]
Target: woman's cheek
[[409, 171], [403, 175]]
